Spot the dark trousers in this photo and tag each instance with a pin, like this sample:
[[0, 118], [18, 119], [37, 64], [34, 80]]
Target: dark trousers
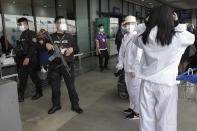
[[104, 54], [54, 77], [23, 72]]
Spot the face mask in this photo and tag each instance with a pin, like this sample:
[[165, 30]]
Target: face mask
[[130, 28], [63, 27], [22, 28], [101, 30]]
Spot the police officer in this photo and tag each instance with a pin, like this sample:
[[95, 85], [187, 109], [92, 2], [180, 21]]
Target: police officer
[[26, 59], [68, 46]]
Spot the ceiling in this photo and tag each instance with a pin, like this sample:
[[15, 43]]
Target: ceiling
[[147, 3], [49, 3], [182, 4]]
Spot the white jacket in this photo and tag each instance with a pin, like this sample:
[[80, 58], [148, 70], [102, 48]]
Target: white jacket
[[160, 64], [129, 55]]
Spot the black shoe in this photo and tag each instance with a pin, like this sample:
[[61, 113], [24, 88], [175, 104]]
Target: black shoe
[[132, 116], [128, 111], [77, 109], [37, 96], [106, 68], [101, 69], [21, 98], [54, 109]]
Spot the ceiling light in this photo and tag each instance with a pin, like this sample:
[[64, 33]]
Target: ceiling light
[[150, 3], [59, 5], [14, 2], [45, 6]]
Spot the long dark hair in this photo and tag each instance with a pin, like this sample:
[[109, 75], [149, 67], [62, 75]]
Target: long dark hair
[[162, 17]]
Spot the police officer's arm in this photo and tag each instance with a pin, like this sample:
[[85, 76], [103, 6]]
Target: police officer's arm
[[73, 47], [31, 48], [32, 45]]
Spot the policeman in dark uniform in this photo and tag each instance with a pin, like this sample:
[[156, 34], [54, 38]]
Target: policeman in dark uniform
[[27, 60], [68, 46]]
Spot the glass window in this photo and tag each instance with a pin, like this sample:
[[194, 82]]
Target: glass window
[[138, 13], [104, 6], [82, 25], [125, 8], [45, 14], [131, 8], [65, 8], [2, 43], [137, 9], [143, 12], [117, 4], [13, 11]]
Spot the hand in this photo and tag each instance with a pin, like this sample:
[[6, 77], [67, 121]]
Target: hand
[[49, 46], [41, 42], [99, 52], [26, 62], [175, 16], [132, 75], [147, 18], [193, 26], [69, 51], [117, 70]]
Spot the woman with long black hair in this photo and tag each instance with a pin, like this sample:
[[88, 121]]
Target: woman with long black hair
[[163, 41]]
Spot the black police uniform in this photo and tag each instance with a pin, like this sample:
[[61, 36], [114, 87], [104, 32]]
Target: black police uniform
[[55, 73], [29, 50]]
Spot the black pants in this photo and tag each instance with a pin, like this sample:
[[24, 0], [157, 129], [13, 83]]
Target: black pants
[[54, 77], [23, 72], [104, 54]]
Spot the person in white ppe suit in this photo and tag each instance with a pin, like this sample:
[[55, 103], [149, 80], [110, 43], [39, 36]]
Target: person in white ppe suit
[[163, 42], [129, 59]]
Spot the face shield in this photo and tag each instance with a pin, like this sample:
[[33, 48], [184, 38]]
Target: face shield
[[130, 27], [62, 24]]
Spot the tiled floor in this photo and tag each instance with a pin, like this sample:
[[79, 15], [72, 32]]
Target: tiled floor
[[103, 108]]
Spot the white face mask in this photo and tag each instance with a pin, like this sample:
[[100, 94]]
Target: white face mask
[[101, 30], [63, 27], [21, 28], [130, 28]]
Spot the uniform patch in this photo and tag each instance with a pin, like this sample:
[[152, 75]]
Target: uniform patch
[[34, 40], [56, 42], [65, 41]]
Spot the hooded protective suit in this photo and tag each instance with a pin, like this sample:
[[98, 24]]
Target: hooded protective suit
[[158, 71], [129, 59]]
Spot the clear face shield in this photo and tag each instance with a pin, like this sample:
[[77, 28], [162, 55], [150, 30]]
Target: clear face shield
[[63, 26], [130, 27]]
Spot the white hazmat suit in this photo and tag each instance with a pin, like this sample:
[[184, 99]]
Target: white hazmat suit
[[129, 59], [159, 91]]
